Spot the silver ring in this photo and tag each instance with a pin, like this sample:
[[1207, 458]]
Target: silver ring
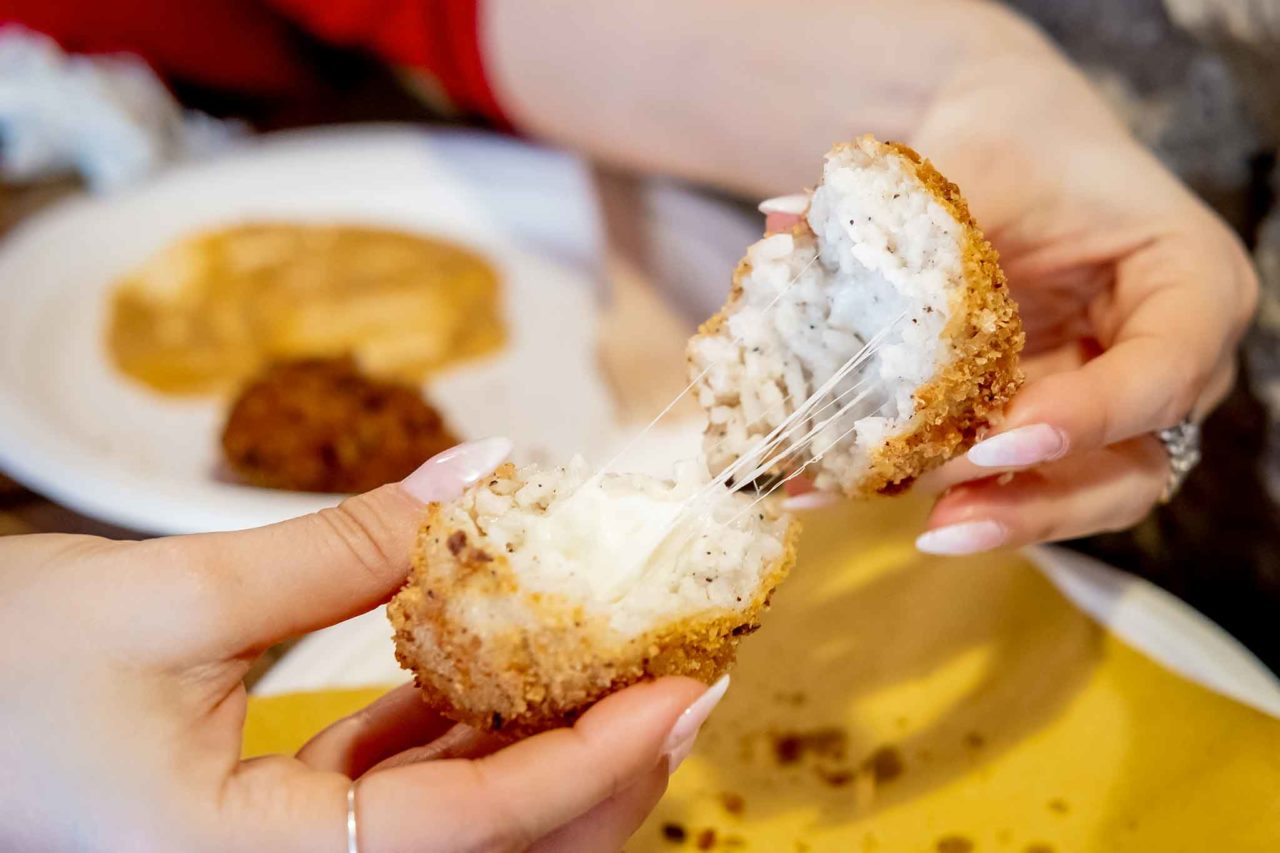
[[353, 843], [1182, 443]]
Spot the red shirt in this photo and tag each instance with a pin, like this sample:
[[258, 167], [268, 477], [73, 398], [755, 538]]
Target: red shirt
[[251, 47]]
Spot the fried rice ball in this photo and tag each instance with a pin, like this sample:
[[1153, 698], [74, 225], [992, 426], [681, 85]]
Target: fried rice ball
[[320, 425], [539, 592], [887, 253]]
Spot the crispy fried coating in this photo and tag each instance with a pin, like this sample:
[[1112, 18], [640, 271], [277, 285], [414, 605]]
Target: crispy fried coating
[[970, 390]]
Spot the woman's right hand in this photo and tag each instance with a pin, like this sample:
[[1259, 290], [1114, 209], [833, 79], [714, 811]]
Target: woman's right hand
[[122, 702]]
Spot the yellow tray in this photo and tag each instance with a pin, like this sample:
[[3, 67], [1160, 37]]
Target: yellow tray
[[898, 703]]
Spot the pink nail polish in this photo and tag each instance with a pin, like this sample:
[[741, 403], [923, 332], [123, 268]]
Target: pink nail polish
[[1028, 445], [809, 500], [969, 537], [795, 205], [445, 475], [684, 733]]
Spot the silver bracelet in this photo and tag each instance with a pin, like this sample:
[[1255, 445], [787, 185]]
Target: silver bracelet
[[1182, 443]]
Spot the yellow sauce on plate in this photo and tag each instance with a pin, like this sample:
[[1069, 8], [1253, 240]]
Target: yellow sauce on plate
[[211, 310]]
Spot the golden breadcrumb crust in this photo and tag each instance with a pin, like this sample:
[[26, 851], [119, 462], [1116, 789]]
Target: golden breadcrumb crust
[[968, 391], [959, 403], [546, 668]]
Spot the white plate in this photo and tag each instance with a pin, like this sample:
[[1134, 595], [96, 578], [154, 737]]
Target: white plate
[[1162, 626], [76, 430]]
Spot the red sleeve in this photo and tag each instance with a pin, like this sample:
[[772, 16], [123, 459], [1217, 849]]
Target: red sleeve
[[247, 45], [233, 45], [440, 39]]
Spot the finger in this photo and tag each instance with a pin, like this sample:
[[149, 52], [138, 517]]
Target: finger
[[460, 741], [610, 824], [513, 798], [801, 495], [1070, 356], [776, 223], [1108, 489], [398, 721], [266, 584], [784, 212], [1166, 331]]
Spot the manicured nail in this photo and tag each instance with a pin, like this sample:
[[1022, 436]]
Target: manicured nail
[[445, 475], [795, 205], [679, 742], [809, 500], [1028, 445], [968, 537]]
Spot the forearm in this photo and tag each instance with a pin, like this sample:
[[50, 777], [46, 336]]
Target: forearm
[[741, 95]]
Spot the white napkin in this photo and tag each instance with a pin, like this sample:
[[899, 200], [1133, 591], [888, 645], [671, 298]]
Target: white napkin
[[107, 117]]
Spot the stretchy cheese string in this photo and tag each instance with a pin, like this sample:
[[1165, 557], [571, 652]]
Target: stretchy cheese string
[[760, 450], [802, 412], [688, 538], [802, 442], [777, 445], [800, 470], [630, 445]]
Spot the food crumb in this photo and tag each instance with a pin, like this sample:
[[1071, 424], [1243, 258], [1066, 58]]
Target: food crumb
[[787, 749], [1059, 805], [733, 803], [674, 832], [885, 763], [836, 778], [791, 747], [974, 740], [954, 844], [706, 839]]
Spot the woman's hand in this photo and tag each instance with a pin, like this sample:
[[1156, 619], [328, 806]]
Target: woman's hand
[[1134, 296], [122, 702], [1133, 293]]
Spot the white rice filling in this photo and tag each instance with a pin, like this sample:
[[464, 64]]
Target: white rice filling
[[639, 550], [885, 258]]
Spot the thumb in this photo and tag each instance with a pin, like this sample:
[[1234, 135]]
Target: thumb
[[274, 582]]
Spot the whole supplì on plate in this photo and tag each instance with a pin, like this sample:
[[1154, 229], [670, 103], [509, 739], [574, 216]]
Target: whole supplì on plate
[[541, 590], [887, 254]]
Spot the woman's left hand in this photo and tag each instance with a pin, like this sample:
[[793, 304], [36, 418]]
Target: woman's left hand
[[1133, 293]]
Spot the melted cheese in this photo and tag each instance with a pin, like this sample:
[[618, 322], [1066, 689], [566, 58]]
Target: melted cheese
[[603, 537]]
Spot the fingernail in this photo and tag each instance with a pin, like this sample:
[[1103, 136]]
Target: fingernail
[[968, 537], [445, 475], [793, 204], [1028, 445], [809, 500], [679, 742]]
